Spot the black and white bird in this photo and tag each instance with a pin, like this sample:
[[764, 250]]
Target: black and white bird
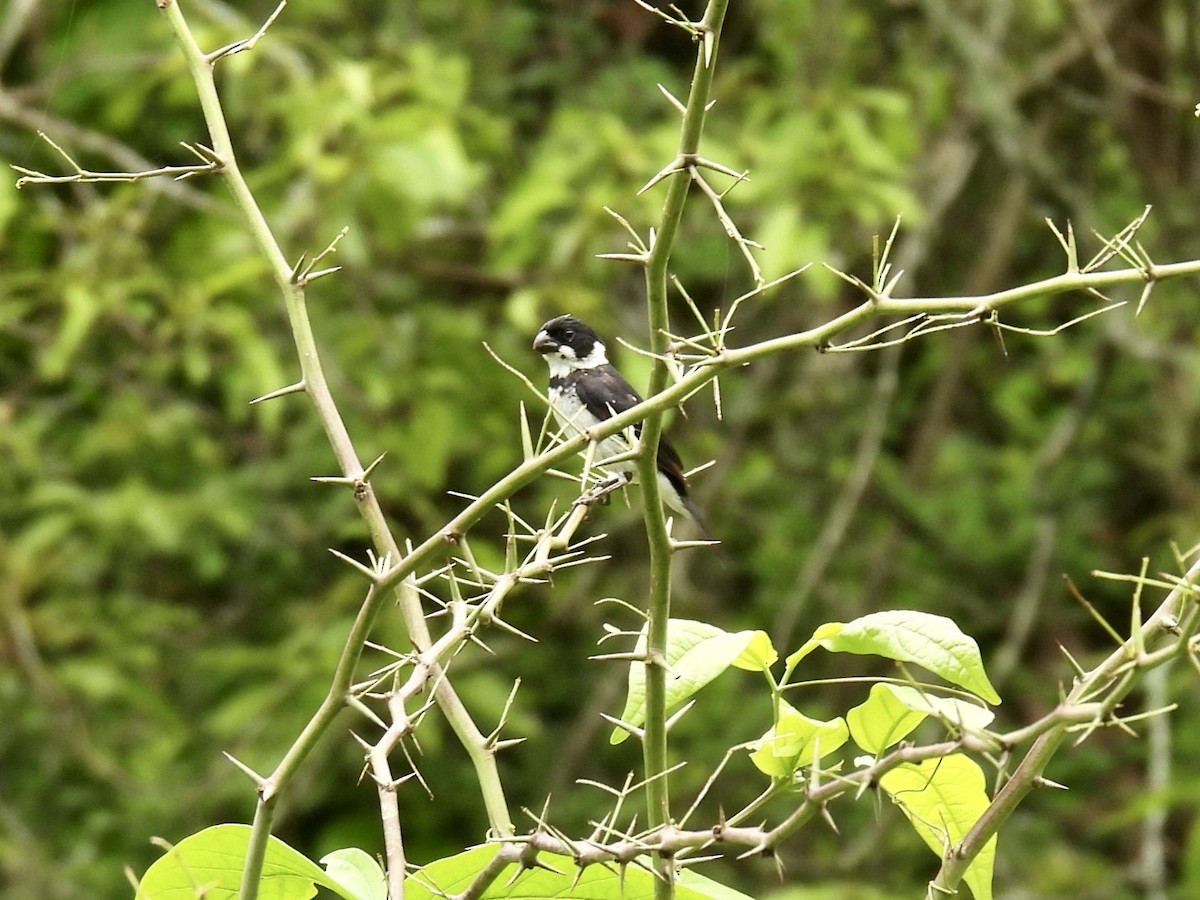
[[585, 389]]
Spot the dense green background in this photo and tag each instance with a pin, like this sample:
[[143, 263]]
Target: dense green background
[[165, 593]]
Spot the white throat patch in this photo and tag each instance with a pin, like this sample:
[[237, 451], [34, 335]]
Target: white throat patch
[[561, 364]]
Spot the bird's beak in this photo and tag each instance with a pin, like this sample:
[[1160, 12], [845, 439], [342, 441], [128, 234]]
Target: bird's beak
[[543, 343]]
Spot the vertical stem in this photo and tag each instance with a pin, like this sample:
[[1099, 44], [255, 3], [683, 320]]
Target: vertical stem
[[654, 743]]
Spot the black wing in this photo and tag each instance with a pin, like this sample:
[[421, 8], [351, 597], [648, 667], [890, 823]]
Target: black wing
[[604, 393]]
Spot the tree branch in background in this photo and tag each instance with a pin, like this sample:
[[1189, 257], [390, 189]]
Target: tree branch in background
[[79, 175], [476, 596]]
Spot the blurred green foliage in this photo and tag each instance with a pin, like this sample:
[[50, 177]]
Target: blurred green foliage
[[165, 593]]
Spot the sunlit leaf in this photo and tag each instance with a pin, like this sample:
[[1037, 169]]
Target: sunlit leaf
[[358, 872], [211, 862], [892, 711], [931, 641], [943, 798], [696, 654], [881, 720], [796, 741], [760, 653]]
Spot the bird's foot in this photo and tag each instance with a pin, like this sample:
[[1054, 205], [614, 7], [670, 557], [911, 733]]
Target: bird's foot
[[602, 492]]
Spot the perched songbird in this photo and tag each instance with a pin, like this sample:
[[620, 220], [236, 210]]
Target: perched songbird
[[585, 389]]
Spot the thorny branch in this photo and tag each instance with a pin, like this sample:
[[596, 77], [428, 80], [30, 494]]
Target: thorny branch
[[477, 596], [1168, 634]]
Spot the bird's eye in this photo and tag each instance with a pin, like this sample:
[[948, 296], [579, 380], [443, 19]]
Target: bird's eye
[[568, 334]]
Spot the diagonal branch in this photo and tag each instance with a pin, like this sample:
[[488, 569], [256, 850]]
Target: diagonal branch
[[292, 291], [1162, 631]]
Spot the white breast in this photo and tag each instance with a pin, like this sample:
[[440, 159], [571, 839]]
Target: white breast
[[573, 418]]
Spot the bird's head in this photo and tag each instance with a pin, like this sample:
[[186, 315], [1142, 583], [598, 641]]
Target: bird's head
[[567, 343]]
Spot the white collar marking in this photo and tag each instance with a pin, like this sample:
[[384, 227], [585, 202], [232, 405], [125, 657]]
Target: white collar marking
[[562, 365]]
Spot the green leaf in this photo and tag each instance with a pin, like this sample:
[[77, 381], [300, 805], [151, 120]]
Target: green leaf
[[881, 720], [892, 711], [696, 654], [452, 875], [943, 798], [956, 713], [760, 654], [714, 890], [933, 642], [210, 863], [796, 741], [358, 872]]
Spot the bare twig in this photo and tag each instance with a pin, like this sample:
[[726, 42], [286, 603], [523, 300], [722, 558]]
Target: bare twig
[[212, 163], [248, 43]]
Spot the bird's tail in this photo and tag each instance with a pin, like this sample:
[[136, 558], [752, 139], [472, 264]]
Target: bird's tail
[[694, 514]]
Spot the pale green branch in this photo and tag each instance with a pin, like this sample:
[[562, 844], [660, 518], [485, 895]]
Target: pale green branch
[[292, 291]]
